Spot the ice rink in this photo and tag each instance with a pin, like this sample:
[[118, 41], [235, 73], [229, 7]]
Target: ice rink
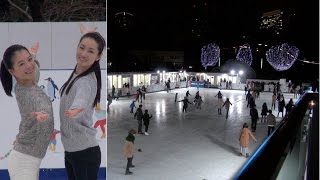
[[197, 145]]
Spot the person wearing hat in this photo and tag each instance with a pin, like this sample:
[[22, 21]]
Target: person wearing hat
[[139, 116], [128, 150]]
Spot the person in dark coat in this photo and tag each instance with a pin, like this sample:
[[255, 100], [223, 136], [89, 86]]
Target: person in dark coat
[[254, 118], [139, 115], [264, 112], [113, 92], [185, 103], [289, 107], [281, 105], [146, 119], [188, 94]]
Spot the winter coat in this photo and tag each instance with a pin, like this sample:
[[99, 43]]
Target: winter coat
[[128, 149], [138, 114], [146, 118], [264, 110], [281, 105], [254, 113], [244, 137], [271, 120]]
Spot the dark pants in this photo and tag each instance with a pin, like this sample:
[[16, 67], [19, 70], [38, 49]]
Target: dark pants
[[83, 165], [227, 113], [146, 127], [184, 108], [270, 129], [139, 126], [129, 164], [254, 124], [131, 111]]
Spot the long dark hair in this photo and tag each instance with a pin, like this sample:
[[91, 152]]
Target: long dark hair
[[6, 64], [94, 68]]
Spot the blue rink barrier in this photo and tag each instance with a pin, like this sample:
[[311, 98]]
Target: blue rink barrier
[[197, 83], [53, 174]]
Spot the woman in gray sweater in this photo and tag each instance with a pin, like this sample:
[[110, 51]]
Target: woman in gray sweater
[[36, 126], [79, 96]]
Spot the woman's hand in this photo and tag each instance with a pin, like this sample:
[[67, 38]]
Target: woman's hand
[[73, 112], [40, 116]]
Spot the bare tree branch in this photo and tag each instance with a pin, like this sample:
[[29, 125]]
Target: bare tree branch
[[21, 10]]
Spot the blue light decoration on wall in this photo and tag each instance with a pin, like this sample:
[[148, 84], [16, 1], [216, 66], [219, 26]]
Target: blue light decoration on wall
[[244, 54], [210, 55], [282, 57]]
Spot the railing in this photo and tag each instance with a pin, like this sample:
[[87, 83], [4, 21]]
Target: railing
[[292, 150]]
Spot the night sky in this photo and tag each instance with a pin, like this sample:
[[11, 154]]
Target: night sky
[[166, 25]]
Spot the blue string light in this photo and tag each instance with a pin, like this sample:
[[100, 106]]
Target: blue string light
[[210, 55], [244, 54], [282, 57]]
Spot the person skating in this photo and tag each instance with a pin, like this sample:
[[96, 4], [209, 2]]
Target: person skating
[[227, 103], [220, 101], [254, 118], [139, 115], [264, 112], [128, 150], [146, 120], [244, 140], [132, 106], [199, 102], [185, 103], [271, 121]]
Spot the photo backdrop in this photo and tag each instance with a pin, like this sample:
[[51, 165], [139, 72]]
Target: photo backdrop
[[58, 43]]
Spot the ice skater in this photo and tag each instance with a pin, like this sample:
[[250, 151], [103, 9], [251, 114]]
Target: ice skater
[[188, 93], [271, 121], [128, 150], [199, 102], [185, 103], [220, 101], [132, 106], [227, 103], [109, 99], [254, 118], [138, 115], [264, 112], [146, 120], [274, 99], [244, 140]]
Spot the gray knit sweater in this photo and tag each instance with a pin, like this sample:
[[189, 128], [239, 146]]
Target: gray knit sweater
[[34, 136], [77, 133]]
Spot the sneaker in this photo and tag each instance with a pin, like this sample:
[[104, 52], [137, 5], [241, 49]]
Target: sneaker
[[146, 133], [132, 166], [128, 173], [240, 154]]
